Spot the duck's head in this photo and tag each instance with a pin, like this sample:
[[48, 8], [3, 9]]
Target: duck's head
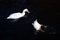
[[26, 10]]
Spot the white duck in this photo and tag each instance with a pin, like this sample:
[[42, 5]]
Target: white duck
[[18, 14], [38, 26]]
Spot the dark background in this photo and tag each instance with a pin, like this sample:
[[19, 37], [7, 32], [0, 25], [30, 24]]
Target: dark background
[[42, 10]]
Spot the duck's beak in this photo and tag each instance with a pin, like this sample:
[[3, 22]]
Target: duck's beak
[[28, 11]]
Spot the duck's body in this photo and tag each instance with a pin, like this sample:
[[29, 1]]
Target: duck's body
[[18, 14], [15, 16], [36, 25]]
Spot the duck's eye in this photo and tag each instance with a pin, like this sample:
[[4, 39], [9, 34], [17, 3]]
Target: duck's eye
[[26, 13]]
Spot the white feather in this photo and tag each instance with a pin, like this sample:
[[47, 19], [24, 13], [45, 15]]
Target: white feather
[[36, 25]]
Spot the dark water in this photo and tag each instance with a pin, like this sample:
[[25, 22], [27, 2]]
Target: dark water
[[44, 12]]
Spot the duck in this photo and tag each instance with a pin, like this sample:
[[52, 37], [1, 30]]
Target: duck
[[18, 15], [38, 27]]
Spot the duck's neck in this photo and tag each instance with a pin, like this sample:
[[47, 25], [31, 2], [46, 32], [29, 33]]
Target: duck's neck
[[23, 13]]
